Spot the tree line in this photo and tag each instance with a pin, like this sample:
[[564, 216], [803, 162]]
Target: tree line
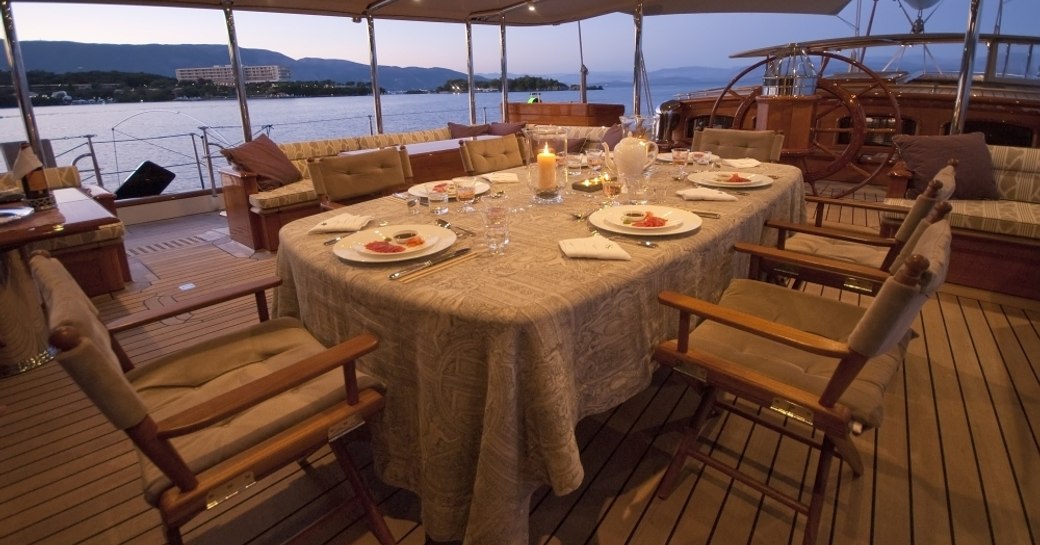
[[50, 89]]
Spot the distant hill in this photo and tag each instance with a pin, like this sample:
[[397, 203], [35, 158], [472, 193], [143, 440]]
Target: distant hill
[[63, 57]]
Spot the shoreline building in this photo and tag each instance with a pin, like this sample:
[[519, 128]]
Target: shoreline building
[[223, 75]]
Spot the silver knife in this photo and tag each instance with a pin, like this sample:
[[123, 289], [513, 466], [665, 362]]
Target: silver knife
[[711, 215], [428, 263]]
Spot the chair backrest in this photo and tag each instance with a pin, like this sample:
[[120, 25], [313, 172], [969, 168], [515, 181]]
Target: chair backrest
[[359, 174], [763, 145], [938, 190], [893, 310], [490, 154], [91, 362], [59, 177]]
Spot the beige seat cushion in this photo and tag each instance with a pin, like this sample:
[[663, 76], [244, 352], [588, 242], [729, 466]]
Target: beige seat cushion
[[211, 368], [870, 256], [826, 317], [362, 173], [294, 193], [1015, 218]]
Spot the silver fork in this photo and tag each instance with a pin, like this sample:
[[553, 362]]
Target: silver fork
[[643, 243]]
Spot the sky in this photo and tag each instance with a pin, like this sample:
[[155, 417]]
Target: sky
[[607, 42]]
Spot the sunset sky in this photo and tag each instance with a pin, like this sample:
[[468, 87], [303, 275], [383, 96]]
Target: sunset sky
[[669, 41]]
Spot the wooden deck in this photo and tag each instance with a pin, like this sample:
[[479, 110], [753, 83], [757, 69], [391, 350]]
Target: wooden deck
[[957, 460]]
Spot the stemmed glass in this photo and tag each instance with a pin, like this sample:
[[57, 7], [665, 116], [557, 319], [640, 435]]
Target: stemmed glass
[[681, 158]]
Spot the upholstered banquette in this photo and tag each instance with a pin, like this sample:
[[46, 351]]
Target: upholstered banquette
[[996, 242], [256, 213]]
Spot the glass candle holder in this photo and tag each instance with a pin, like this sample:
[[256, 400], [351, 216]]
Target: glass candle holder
[[547, 161]]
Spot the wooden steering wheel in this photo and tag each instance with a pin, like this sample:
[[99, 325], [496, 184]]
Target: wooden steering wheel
[[841, 124]]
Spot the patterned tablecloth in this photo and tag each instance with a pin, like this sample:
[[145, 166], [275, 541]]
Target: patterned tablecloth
[[489, 364]]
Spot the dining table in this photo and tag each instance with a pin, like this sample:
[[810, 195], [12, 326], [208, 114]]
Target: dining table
[[489, 364]]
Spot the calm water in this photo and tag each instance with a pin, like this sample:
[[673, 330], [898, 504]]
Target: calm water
[[174, 129]]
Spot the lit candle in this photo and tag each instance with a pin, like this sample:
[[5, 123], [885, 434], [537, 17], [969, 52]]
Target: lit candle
[[546, 170]]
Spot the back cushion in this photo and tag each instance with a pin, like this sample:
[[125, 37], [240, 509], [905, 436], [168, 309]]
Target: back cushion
[[263, 158], [926, 155]]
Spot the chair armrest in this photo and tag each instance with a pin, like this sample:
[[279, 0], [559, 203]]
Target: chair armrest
[[803, 340], [812, 262], [865, 205], [256, 287], [244, 181], [829, 232], [899, 180], [253, 393]]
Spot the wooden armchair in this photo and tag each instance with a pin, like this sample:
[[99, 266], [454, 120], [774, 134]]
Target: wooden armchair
[[212, 418], [356, 176], [843, 257], [822, 364], [490, 154]]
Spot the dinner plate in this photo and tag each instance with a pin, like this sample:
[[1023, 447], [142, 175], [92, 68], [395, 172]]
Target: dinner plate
[[13, 214], [687, 221], [422, 190], [346, 248], [666, 157], [618, 218], [718, 179]]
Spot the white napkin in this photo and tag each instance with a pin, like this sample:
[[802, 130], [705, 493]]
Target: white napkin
[[340, 223], [593, 247], [704, 194], [502, 177], [741, 163]]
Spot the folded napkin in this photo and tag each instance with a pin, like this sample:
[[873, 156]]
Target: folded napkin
[[741, 163], [593, 247], [340, 223], [704, 194], [502, 177]]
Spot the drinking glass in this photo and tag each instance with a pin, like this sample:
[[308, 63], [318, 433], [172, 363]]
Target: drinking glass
[[496, 227], [612, 188], [681, 158], [594, 158], [466, 193], [438, 201], [573, 161], [411, 202], [638, 187]]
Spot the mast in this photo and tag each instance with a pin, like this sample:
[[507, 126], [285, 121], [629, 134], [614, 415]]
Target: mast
[[19, 79], [469, 73], [971, 39], [236, 69], [637, 63]]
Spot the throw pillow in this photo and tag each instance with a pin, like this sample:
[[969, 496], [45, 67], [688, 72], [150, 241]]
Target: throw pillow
[[465, 131], [264, 158], [502, 129], [926, 155], [613, 135]]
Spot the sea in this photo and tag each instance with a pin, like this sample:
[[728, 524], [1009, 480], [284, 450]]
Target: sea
[[122, 136]]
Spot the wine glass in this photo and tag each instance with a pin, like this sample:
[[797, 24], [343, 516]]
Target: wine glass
[[466, 193]]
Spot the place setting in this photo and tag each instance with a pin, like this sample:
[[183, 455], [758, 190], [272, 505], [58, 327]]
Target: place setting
[[729, 179]]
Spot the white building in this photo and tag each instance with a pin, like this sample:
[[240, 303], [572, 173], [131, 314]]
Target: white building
[[223, 75]]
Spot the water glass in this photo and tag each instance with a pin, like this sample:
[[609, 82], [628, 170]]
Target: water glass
[[496, 228], [680, 158], [466, 193], [638, 187], [438, 202], [573, 161], [612, 186], [594, 158], [411, 202]]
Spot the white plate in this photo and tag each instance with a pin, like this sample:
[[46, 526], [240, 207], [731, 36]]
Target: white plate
[[666, 157], [12, 214], [718, 179], [378, 234], [688, 220], [617, 216], [422, 190], [346, 249]]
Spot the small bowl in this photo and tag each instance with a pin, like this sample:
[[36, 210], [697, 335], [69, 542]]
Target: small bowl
[[404, 237]]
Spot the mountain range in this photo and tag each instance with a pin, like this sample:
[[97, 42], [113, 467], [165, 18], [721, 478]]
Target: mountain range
[[61, 57]]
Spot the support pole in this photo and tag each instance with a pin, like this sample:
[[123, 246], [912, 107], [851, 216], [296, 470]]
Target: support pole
[[236, 68], [374, 67], [583, 87], [469, 74], [505, 74], [18, 79], [637, 64], [971, 39]]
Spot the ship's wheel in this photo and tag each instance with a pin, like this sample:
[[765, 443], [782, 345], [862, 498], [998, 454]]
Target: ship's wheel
[[840, 125]]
